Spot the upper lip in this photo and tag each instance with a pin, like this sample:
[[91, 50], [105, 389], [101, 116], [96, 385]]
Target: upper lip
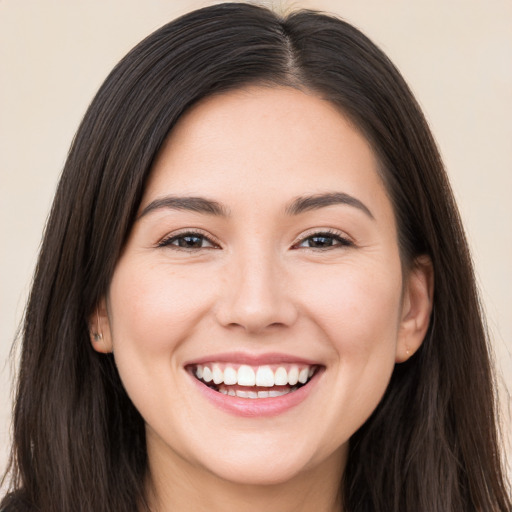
[[252, 359]]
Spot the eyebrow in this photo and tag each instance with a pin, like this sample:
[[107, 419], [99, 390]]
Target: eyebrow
[[317, 201], [193, 204], [298, 206]]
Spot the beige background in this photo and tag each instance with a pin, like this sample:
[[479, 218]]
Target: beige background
[[456, 55]]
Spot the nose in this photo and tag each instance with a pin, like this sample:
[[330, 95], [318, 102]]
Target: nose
[[256, 296]]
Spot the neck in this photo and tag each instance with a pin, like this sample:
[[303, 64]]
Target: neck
[[174, 485]]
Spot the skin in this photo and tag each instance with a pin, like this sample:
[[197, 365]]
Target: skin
[[260, 287]]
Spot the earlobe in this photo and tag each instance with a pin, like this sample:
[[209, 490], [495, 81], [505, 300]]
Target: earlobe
[[416, 308], [99, 329]]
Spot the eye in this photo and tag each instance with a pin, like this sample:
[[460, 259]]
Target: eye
[[188, 241], [323, 240]]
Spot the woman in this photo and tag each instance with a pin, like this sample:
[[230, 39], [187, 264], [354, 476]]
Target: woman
[[254, 289]]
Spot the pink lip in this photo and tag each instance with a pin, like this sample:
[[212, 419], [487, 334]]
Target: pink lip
[[257, 407], [251, 359]]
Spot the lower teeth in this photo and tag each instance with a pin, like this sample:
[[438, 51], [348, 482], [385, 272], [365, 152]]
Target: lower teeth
[[252, 393], [256, 394]]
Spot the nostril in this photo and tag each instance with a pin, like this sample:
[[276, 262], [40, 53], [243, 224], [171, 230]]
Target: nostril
[[255, 320], [256, 298]]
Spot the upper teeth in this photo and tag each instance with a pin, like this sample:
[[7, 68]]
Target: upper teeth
[[246, 375]]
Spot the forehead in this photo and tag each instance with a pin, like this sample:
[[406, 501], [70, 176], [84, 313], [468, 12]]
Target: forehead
[[265, 144]]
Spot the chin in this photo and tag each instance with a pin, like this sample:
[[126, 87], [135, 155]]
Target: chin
[[269, 465], [261, 473]]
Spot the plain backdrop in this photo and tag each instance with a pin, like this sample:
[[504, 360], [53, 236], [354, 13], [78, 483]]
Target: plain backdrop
[[456, 56]]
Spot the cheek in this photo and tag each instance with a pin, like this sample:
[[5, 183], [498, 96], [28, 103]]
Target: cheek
[[154, 307], [357, 306], [357, 311], [153, 310]]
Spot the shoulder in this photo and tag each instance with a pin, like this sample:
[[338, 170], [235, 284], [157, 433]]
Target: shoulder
[[15, 502]]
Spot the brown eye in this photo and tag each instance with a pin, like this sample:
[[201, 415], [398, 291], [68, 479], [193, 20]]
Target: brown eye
[[189, 241], [324, 241], [320, 241]]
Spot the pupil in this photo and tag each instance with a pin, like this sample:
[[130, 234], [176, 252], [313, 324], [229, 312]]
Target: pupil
[[190, 241], [320, 241]]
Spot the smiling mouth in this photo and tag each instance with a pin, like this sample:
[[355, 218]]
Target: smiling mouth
[[253, 382]]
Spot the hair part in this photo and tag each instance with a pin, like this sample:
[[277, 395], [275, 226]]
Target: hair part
[[423, 449]]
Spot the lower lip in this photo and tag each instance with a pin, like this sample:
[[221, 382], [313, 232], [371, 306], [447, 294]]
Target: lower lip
[[257, 407]]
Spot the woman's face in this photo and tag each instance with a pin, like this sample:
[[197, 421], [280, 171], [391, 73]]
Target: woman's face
[[265, 251]]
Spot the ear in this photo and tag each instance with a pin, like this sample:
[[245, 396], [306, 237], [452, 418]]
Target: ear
[[99, 328], [416, 308]]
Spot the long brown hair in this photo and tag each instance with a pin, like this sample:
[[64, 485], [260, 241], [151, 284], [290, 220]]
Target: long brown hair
[[79, 443]]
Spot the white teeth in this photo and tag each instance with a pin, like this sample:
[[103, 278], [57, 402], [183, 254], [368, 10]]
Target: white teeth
[[231, 392], [293, 376], [263, 394], [265, 376], [303, 376], [252, 394], [261, 376], [274, 392], [242, 394], [207, 374], [230, 376], [246, 376], [281, 377], [218, 374]]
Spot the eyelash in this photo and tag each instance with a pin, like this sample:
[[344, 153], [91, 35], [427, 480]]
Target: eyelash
[[168, 242], [340, 241], [325, 234]]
